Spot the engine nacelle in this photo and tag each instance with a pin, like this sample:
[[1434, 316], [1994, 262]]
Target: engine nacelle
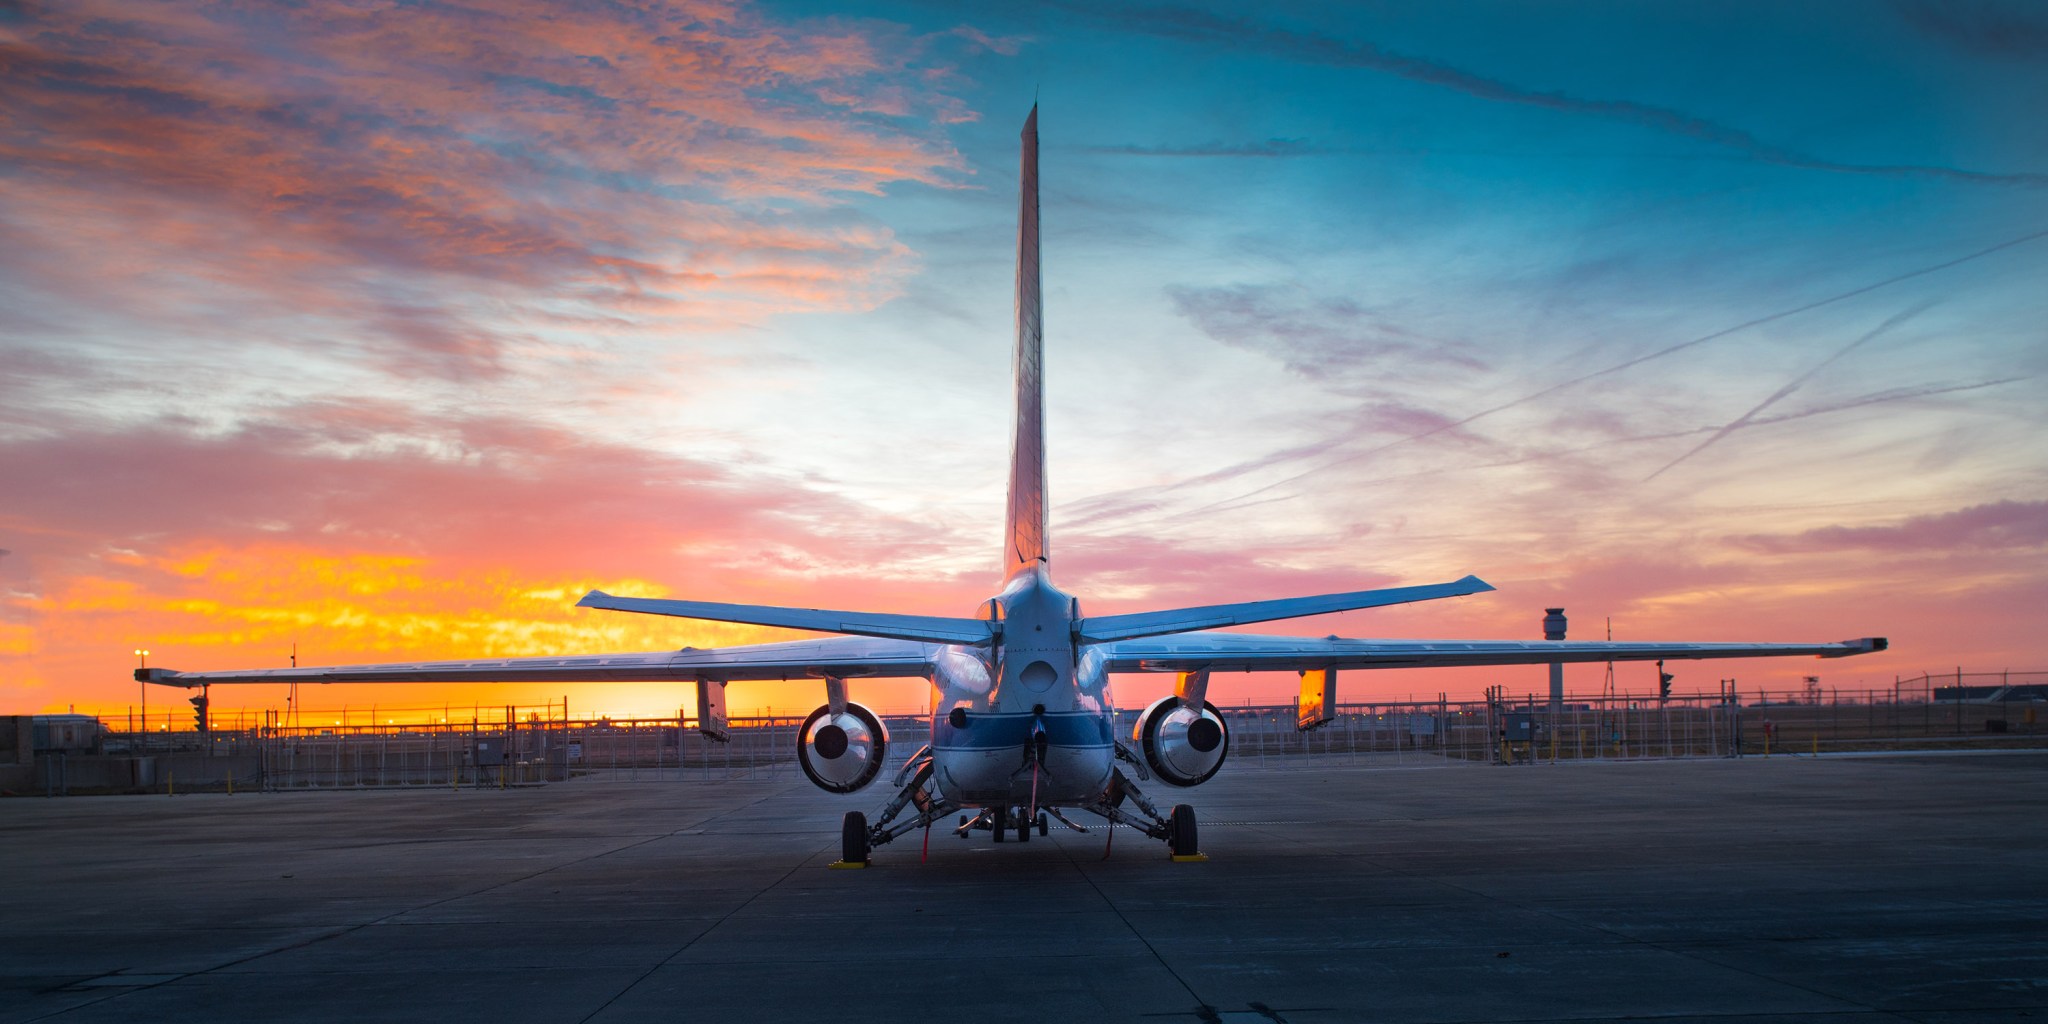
[[1181, 747], [844, 752]]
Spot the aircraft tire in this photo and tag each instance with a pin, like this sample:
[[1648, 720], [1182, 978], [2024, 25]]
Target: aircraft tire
[[853, 838], [998, 822], [1044, 823], [1023, 828], [1180, 831]]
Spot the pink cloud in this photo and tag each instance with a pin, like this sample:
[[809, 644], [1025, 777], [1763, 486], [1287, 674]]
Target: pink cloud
[[364, 474], [223, 167], [1994, 526], [369, 530]]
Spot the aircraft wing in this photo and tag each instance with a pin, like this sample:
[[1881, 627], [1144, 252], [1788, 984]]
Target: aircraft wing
[[1252, 652], [846, 657]]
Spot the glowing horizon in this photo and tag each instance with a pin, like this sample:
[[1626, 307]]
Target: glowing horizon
[[388, 332]]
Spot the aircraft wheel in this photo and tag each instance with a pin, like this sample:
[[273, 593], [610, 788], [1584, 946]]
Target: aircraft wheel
[[1023, 827], [853, 838], [1044, 823], [998, 822], [1180, 831]]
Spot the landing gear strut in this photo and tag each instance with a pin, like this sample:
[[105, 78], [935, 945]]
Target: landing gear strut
[[857, 839], [1177, 828]]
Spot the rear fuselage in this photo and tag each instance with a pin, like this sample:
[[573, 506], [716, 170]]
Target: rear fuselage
[[994, 710]]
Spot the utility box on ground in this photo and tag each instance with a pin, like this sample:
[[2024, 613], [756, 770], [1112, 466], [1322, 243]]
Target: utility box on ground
[[1422, 729], [490, 751]]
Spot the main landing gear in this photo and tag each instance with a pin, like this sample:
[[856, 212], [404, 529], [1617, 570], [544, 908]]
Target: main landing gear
[[1176, 827], [1180, 832], [853, 839], [858, 839], [1121, 803]]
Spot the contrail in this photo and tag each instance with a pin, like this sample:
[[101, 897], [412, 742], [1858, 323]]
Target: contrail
[[1162, 517], [1793, 385], [1204, 27], [1639, 360], [1893, 395]]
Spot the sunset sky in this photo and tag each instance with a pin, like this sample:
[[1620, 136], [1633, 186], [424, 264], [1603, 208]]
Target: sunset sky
[[390, 329]]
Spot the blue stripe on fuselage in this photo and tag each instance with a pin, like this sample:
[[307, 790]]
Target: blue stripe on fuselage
[[986, 731]]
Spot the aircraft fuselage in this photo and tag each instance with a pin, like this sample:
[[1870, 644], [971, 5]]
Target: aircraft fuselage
[[1028, 720]]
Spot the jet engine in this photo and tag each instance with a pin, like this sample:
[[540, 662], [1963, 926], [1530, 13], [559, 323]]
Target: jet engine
[[1181, 747], [842, 752]]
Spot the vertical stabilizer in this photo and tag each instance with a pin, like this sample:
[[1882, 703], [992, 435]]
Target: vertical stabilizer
[[1025, 530]]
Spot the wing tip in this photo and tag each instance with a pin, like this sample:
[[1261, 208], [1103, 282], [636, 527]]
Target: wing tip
[[591, 599], [1860, 645], [1478, 585]]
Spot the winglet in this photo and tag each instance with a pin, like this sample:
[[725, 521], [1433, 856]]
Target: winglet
[[161, 677]]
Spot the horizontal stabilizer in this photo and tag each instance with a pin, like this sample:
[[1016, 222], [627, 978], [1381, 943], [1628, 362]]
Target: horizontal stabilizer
[[1103, 628], [934, 629]]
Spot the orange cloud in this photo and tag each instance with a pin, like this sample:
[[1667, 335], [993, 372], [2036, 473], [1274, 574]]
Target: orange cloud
[[251, 606], [370, 532]]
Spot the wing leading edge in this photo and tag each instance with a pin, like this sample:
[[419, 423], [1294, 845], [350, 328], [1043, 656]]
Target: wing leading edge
[[1097, 629], [937, 629], [1252, 652], [845, 657]]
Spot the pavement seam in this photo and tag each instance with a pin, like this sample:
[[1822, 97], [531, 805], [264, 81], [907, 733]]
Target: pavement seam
[[352, 929], [1082, 870], [1622, 938], [713, 926]]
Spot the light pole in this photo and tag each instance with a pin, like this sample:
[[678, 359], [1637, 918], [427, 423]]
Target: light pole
[[142, 662]]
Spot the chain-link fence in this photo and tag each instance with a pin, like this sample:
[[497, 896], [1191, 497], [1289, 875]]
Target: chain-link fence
[[527, 746]]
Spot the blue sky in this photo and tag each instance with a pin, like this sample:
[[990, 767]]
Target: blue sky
[[371, 327]]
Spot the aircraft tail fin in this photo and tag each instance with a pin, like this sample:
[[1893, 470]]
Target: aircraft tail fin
[[1024, 531]]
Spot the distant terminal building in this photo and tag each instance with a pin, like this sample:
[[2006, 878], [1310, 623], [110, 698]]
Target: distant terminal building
[[69, 734], [1991, 694]]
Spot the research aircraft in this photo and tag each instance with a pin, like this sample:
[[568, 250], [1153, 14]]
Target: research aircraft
[[1023, 725]]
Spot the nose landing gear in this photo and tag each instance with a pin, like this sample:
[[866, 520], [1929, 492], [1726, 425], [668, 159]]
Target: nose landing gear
[[999, 821]]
